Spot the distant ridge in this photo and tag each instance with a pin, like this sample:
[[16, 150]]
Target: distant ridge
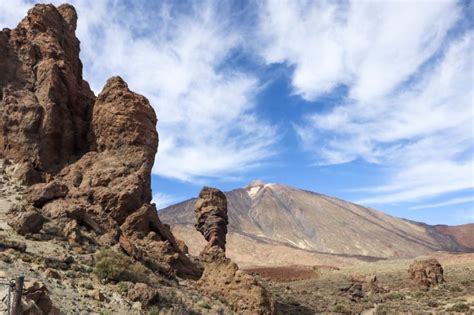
[[285, 216]]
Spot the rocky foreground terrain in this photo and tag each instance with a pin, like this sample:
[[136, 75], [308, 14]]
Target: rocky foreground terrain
[[75, 204], [76, 217]]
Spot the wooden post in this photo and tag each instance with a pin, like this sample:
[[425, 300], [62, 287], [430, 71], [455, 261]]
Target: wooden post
[[16, 308]]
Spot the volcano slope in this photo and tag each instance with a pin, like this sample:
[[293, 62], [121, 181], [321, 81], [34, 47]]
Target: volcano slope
[[273, 224]]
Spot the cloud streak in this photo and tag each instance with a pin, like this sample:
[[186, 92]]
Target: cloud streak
[[454, 201], [409, 106]]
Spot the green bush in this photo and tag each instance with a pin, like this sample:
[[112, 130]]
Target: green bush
[[114, 266]]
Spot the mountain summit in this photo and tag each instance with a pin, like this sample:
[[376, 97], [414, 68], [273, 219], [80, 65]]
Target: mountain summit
[[285, 216]]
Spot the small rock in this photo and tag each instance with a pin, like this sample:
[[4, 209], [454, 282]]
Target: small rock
[[98, 295], [51, 273]]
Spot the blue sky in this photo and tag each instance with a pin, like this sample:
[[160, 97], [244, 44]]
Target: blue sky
[[368, 101]]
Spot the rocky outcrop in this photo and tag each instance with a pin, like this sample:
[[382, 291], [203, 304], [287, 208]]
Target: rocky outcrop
[[211, 216], [221, 276], [87, 160], [426, 273], [45, 104]]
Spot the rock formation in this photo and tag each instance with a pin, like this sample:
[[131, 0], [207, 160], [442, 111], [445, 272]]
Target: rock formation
[[46, 105], [426, 273], [221, 276], [87, 160], [211, 216]]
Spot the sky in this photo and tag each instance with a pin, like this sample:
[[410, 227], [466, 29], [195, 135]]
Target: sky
[[368, 101]]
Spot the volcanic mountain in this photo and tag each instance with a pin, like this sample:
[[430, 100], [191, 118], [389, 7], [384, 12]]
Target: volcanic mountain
[[277, 224]]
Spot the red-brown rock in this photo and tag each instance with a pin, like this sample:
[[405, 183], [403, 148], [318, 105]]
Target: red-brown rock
[[426, 273], [45, 104], [221, 276], [29, 221], [211, 216], [91, 157]]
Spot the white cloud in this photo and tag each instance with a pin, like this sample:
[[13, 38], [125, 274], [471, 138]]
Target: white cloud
[[371, 46], [162, 200], [176, 58], [454, 201], [408, 109], [12, 12], [206, 112], [423, 134]]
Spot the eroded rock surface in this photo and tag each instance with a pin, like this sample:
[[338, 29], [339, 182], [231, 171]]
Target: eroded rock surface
[[45, 104], [211, 216], [221, 276], [426, 273], [87, 160]]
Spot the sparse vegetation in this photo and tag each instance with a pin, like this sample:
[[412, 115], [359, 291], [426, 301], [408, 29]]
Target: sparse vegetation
[[203, 304], [459, 307], [114, 266], [340, 309], [70, 274], [395, 296], [88, 286], [123, 287], [154, 310]]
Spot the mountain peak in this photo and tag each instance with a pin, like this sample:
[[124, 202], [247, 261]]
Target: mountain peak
[[256, 183]]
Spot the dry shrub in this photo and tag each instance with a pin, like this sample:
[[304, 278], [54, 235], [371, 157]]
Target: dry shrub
[[112, 265]]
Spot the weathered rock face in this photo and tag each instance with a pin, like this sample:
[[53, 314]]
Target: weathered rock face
[[211, 216], [45, 104], [241, 291], [92, 156], [221, 276], [426, 273], [37, 299]]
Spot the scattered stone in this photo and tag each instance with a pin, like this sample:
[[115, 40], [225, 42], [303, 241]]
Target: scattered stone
[[426, 273]]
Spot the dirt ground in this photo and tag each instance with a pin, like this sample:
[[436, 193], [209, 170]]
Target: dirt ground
[[328, 292]]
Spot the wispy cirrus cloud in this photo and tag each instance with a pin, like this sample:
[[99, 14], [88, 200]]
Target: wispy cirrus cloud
[[454, 201], [207, 120], [409, 106], [162, 200]]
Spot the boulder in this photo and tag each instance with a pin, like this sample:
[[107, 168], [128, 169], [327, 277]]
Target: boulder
[[145, 238], [37, 292], [26, 222], [426, 272], [42, 193], [144, 294]]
